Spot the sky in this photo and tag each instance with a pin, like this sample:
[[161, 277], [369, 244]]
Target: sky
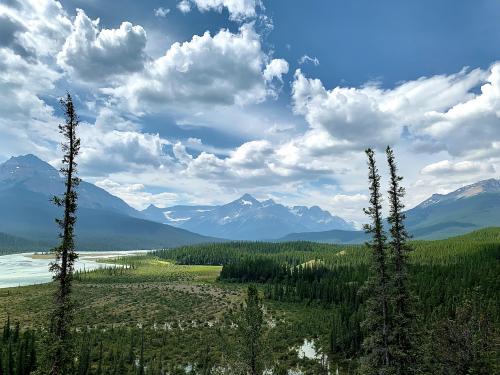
[[201, 101]]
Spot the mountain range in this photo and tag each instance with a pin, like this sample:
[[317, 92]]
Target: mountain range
[[106, 222], [469, 208], [247, 218]]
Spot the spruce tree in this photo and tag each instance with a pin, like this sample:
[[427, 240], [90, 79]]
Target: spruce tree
[[141, 358], [99, 365], [9, 368], [6, 330], [251, 326], [377, 357], [32, 353], [61, 349], [400, 293]]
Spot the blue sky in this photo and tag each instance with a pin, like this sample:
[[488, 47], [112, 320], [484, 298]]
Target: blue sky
[[200, 101]]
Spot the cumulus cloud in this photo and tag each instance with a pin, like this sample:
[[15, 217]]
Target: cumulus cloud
[[438, 113], [184, 6], [35, 27], [471, 124], [31, 32], [136, 195], [239, 10], [254, 163], [92, 54], [107, 149], [224, 69], [446, 167], [10, 31], [275, 69]]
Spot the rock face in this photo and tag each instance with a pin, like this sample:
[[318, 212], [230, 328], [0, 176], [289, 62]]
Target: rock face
[[247, 218]]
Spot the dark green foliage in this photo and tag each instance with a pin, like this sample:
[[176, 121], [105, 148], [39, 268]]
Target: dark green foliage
[[59, 344], [376, 344], [315, 288], [250, 330], [466, 344], [17, 351], [401, 301], [141, 358]]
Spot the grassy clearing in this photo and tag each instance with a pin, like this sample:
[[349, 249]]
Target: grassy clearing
[[180, 307]]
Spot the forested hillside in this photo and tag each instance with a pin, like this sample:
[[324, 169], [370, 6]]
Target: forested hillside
[[445, 275]]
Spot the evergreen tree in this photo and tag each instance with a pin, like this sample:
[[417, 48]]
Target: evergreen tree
[[9, 368], [99, 365], [6, 330], [15, 336], [377, 357], [32, 353], [466, 344], [401, 298], [60, 346], [251, 326], [141, 358], [84, 358]]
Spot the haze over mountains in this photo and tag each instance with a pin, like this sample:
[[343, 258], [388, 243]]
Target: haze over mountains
[[247, 218], [106, 222]]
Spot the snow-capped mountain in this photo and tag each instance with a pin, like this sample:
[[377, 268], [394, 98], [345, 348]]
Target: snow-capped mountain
[[247, 218], [486, 186], [463, 210]]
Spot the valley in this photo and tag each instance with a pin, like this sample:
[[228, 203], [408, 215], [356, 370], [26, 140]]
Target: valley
[[185, 302]]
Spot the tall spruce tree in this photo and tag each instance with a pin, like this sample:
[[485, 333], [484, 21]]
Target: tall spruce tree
[[251, 326], [377, 357], [61, 351], [401, 301]]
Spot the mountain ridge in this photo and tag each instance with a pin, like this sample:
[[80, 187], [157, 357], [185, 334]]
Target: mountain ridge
[[247, 218], [105, 222], [471, 207]]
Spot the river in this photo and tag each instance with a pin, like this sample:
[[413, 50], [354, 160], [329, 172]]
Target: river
[[31, 268]]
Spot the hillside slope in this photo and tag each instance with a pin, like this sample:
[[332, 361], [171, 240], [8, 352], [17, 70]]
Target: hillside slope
[[105, 222]]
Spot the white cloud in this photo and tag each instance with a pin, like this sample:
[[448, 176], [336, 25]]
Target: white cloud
[[275, 69], [438, 112], [93, 54], [105, 150], [41, 25], [136, 196], [305, 59], [184, 6], [446, 167], [239, 10], [471, 124], [225, 69], [32, 31], [161, 12]]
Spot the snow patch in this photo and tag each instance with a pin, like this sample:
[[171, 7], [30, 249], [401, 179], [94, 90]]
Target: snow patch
[[179, 219]]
